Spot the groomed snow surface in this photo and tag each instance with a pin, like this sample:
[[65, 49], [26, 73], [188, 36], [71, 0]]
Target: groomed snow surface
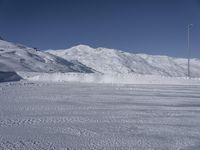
[[88, 116]]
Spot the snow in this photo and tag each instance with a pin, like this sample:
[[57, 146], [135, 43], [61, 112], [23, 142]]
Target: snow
[[90, 99], [16, 57], [82, 116], [100, 65], [109, 61], [108, 78]]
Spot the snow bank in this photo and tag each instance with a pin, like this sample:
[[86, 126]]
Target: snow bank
[[111, 78]]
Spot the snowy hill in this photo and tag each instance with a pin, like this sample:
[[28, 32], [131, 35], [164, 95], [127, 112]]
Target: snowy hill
[[110, 61], [16, 57]]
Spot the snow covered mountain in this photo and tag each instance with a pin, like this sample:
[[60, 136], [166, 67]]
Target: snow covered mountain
[[110, 61], [16, 57]]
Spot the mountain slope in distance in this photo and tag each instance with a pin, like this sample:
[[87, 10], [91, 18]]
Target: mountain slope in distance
[[111, 61], [17, 57]]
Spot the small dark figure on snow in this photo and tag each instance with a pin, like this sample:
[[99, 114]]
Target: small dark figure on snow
[[35, 48]]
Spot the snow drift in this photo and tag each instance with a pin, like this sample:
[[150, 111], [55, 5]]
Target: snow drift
[[110, 78]]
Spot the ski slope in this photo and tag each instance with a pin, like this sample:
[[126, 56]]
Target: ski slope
[[110, 61], [74, 116]]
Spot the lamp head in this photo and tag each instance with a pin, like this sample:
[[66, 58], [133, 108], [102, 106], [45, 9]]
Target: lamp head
[[190, 25]]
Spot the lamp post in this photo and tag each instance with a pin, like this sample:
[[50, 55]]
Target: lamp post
[[188, 44]]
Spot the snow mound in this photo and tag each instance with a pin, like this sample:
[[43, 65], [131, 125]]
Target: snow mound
[[17, 57], [110, 78], [114, 61]]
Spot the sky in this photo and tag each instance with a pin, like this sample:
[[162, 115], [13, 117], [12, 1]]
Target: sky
[[157, 27]]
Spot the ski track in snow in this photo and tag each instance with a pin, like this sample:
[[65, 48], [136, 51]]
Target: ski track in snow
[[74, 116]]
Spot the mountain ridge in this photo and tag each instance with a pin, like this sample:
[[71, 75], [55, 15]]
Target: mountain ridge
[[85, 59], [18, 57], [106, 61]]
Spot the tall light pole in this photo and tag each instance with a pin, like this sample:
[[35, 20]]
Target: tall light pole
[[189, 52]]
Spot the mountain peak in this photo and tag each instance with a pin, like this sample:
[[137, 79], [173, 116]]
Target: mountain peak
[[112, 61], [82, 46]]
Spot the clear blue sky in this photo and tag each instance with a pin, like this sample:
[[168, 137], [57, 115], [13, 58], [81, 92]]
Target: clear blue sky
[[138, 26]]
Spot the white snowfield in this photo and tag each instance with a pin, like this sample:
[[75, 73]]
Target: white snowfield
[[110, 61], [82, 116]]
